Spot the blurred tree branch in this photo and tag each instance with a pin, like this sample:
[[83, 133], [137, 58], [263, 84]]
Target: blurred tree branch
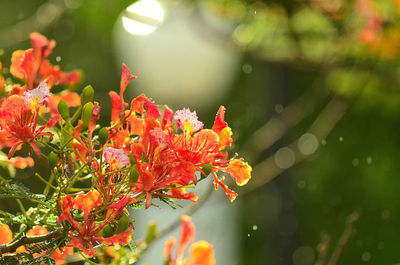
[[267, 170], [276, 127], [323, 247], [46, 15]]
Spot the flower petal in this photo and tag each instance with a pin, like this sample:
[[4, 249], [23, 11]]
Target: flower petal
[[201, 253], [240, 171], [187, 235]]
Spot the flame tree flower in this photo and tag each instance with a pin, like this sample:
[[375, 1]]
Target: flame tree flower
[[169, 150], [148, 152], [32, 66], [96, 216], [19, 118], [200, 253]]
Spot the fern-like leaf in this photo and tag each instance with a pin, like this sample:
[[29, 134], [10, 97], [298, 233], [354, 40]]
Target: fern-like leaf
[[42, 260]]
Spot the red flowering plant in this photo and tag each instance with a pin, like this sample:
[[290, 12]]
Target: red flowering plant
[[97, 173]]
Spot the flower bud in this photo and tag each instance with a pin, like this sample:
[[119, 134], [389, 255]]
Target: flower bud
[[206, 170], [53, 159], [103, 136], [63, 109], [151, 232], [134, 175], [87, 113], [107, 231], [123, 224], [87, 95]]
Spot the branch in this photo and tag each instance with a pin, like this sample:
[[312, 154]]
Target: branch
[[292, 115], [344, 239], [321, 128], [46, 15], [27, 240], [323, 248]]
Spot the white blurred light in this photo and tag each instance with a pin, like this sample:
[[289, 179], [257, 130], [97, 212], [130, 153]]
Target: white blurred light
[[143, 17], [307, 144], [185, 60], [285, 158]]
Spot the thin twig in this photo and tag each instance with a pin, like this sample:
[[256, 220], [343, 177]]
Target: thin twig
[[322, 249], [27, 240], [344, 239]]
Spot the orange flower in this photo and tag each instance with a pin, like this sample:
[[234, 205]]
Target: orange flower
[[166, 158], [89, 232], [21, 162], [19, 117], [201, 252], [5, 234], [58, 255], [31, 65], [6, 237], [240, 171], [85, 147]]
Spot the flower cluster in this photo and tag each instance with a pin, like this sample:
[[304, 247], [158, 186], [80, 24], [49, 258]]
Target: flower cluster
[[96, 173]]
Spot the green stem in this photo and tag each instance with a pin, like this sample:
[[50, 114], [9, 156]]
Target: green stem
[[47, 188], [21, 206], [86, 259], [48, 184]]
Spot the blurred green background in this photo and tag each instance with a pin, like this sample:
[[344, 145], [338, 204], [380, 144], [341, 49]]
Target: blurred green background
[[312, 95]]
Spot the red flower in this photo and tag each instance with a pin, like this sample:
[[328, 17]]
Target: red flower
[[19, 117], [201, 252], [85, 148], [5, 234], [59, 254], [91, 204], [166, 158], [113, 183], [31, 65]]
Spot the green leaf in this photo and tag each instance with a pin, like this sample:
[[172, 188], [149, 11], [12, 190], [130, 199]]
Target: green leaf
[[42, 260], [123, 224], [132, 245], [19, 191]]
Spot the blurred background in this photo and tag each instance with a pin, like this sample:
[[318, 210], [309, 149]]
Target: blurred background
[[311, 89]]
